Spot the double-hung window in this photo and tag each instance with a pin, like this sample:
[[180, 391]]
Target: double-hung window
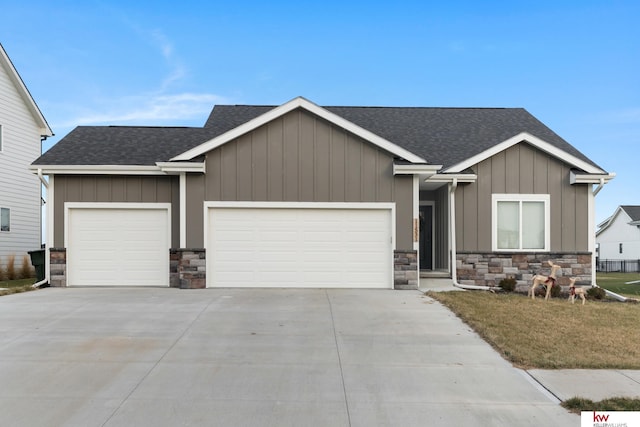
[[520, 222], [5, 219]]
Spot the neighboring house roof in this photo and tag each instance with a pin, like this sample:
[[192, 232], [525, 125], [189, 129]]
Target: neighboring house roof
[[633, 211], [41, 122], [441, 136]]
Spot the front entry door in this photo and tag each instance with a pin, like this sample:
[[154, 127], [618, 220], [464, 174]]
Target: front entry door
[[426, 237]]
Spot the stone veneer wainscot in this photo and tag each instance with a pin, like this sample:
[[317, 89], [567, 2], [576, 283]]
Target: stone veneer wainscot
[[488, 269], [187, 268], [405, 270]]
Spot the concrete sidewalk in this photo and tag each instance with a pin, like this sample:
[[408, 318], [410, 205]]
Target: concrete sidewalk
[[593, 384], [254, 357]]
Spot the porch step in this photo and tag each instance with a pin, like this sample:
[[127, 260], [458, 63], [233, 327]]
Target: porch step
[[435, 274]]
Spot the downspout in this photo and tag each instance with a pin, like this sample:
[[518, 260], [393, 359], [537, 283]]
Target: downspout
[[452, 244], [595, 285], [46, 251], [599, 187]]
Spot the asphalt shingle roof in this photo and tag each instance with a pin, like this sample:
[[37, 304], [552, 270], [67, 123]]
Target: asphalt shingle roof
[[444, 136]]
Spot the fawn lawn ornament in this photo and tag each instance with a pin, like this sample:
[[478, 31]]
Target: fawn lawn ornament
[[573, 291]]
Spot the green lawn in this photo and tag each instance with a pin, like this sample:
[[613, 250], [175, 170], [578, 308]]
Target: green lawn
[[616, 282]]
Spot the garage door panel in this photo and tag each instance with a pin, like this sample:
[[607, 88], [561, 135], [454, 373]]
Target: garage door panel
[[114, 247], [299, 247]]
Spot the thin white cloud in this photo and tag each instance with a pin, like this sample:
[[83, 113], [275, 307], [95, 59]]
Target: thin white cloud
[[152, 107], [141, 110]]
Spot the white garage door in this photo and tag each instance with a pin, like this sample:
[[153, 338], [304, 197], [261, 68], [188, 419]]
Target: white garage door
[[299, 247], [117, 247]]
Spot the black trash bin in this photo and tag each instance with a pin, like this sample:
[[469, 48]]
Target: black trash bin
[[37, 260]]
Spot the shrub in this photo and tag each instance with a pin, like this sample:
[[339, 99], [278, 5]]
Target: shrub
[[596, 293], [508, 284], [556, 291], [26, 271], [11, 268]]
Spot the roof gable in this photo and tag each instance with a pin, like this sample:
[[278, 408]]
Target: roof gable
[[280, 111], [7, 65], [632, 212], [536, 142], [443, 136]]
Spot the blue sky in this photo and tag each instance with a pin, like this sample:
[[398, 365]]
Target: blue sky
[[575, 65]]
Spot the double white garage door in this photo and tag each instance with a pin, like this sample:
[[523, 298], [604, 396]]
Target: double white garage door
[[249, 246]]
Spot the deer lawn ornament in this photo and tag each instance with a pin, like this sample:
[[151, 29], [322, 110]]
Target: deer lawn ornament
[[546, 281]]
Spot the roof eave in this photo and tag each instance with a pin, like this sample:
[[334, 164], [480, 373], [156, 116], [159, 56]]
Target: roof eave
[[451, 177], [581, 178], [160, 168], [96, 169], [415, 169], [43, 126]]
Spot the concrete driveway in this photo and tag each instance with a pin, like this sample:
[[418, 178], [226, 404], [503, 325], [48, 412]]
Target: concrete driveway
[[253, 357]]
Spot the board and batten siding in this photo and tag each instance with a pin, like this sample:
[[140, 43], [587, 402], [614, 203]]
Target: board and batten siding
[[119, 189], [523, 169], [20, 188], [300, 157]]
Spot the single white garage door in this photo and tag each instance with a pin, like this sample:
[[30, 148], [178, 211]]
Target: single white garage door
[[117, 247], [306, 247]]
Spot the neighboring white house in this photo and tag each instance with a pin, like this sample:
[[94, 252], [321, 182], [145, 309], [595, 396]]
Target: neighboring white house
[[22, 128], [618, 237]]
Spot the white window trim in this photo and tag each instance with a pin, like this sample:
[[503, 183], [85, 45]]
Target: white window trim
[[1, 138], [545, 198], [9, 230]]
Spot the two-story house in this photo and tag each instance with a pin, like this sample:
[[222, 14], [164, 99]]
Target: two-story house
[[22, 129]]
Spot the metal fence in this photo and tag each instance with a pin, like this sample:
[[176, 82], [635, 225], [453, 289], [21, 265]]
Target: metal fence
[[618, 265]]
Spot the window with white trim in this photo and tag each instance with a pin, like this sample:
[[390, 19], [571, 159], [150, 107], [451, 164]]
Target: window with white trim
[[520, 222], [5, 219]]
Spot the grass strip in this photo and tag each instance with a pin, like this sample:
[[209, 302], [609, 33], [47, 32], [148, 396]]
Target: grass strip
[[551, 334], [579, 404]]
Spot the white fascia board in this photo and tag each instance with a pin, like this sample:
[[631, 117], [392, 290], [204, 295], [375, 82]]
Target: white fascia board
[[6, 63], [577, 178], [450, 177], [607, 222], [180, 167], [415, 169], [96, 170], [536, 142], [277, 112]]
